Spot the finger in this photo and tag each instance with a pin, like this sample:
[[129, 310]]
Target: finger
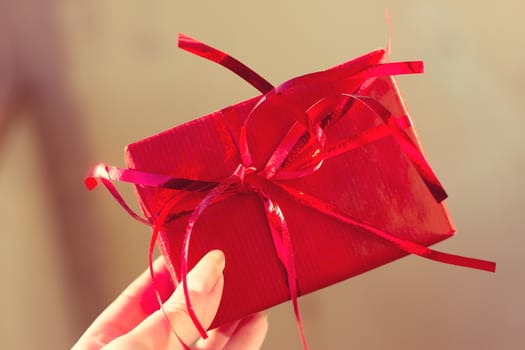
[[246, 334], [205, 284], [250, 333], [218, 337], [130, 308]]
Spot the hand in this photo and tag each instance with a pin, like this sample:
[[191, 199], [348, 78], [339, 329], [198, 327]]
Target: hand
[[134, 321]]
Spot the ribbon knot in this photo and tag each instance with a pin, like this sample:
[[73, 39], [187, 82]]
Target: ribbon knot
[[242, 171]]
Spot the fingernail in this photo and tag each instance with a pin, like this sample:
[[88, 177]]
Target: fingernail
[[205, 275]]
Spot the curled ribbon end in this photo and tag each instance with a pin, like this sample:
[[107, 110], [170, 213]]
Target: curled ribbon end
[[483, 265], [488, 266], [183, 39], [418, 66], [90, 182]]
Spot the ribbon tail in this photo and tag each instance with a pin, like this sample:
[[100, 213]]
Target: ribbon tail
[[409, 148], [103, 173], [205, 203], [390, 68], [396, 125], [154, 236], [459, 260], [203, 50], [421, 165], [402, 244], [283, 245]]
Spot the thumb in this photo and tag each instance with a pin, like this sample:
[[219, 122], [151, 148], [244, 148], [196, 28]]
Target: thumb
[[205, 284]]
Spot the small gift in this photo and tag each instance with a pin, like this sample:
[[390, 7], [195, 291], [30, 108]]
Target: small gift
[[307, 184]]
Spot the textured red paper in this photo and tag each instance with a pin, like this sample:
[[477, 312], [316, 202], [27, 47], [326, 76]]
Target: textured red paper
[[375, 183], [353, 193]]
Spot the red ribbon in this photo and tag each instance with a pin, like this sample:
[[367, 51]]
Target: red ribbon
[[308, 131]]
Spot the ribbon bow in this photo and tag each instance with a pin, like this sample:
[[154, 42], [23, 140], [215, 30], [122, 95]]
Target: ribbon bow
[[300, 153]]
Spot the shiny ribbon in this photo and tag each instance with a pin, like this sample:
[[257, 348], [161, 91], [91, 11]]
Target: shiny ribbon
[[307, 138]]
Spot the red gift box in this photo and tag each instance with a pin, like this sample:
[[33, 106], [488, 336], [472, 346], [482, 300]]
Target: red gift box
[[308, 184]]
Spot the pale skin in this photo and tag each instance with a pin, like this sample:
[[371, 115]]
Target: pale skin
[[133, 322]]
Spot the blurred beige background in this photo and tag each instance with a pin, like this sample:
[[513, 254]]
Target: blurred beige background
[[81, 79]]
